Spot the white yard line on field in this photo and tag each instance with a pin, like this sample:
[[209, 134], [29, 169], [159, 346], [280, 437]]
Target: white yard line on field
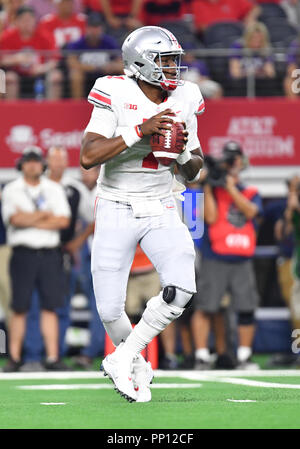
[[256, 383], [191, 375], [97, 386], [213, 376], [240, 400], [53, 403]]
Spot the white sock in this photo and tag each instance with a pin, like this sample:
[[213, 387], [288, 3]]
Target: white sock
[[140, 336], [119, 329], [202, 354], [243, 353]]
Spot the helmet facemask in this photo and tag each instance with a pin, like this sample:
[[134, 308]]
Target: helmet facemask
[[159, 78]]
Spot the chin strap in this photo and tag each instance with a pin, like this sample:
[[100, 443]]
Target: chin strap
[[169, 84]]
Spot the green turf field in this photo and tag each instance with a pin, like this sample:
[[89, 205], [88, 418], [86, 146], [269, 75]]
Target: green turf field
[[181, 400]]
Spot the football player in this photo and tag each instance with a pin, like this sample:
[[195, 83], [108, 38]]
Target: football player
[[135, 201]]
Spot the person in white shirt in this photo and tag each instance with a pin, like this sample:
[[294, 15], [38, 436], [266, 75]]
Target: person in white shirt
[[34, 210], [71, 240], [135, 198]]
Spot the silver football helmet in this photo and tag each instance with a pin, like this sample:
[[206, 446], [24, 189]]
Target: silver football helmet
[[142, 51]]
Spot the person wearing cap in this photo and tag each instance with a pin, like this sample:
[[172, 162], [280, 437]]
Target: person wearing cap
[[88, 59], [228, 246], [34, 210], [72, 238]]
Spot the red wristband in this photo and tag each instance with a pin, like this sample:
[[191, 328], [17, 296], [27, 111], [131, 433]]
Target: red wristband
[[139, 131]]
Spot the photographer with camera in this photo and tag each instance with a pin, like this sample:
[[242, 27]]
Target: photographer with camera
[[228, 246]]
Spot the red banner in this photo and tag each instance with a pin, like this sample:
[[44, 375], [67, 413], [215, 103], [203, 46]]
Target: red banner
[[268, 129], [44, 124]]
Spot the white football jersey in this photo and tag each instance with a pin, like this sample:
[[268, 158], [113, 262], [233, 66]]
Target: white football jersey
[[135, 173]]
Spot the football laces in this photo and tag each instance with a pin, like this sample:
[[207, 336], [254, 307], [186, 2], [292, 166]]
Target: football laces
[[168, 138]]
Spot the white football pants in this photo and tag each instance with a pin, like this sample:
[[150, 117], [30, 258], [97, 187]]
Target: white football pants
[[164, 239]]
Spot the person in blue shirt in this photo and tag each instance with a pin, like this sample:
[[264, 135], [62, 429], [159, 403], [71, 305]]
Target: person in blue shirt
[[87, 58]]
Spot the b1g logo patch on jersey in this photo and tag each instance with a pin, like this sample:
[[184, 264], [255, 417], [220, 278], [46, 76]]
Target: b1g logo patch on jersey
[[130, 106]]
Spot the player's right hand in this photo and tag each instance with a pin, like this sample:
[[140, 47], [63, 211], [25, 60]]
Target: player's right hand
[[157, 124]]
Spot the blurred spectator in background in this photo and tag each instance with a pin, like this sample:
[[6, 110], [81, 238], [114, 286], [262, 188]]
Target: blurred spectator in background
[[86, 62], [292, 11], [97, 333], [155, 11], [89, 179], [5, 253], [8, 13], [65, 25], [92, 5], [143, 284], [275, 211], [71, 241], [292, 224], [209, 12], [192, 209], [292, 79], [198, 73], [122, 14], [34, 210], [259, 63], [44, 7], [289, 6], [228, 245], [24, 63]]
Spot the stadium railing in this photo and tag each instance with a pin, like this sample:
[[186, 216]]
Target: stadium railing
[[216, 60]]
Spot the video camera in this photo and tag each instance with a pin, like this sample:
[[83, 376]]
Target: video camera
[[219, 167]]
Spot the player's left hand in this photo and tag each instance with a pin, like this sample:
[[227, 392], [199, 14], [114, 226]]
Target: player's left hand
[[185, 138]]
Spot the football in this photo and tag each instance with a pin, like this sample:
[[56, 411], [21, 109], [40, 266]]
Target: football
[[167, 148]]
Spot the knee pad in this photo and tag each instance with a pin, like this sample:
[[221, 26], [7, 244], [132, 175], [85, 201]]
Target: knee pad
[[176, 296], [245, 318], [159, 313]]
